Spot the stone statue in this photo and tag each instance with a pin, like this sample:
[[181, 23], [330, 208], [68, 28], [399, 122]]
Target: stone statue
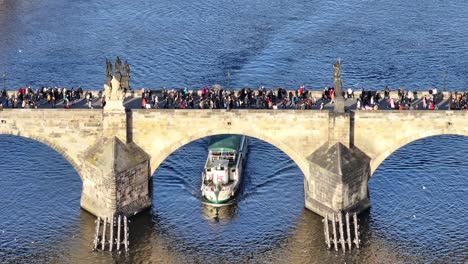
[[126, 69], [108, 72], [108, 67], [116, 90], [107, 91], [118, 66], [339, 105], [125, 81], [337, 78]]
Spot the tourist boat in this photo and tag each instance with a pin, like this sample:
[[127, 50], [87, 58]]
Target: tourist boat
[[222, 174]]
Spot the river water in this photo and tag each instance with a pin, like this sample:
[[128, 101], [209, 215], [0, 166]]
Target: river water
[[419, 205]]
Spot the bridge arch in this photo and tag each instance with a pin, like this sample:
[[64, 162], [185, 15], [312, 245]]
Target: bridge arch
[[296, 133], [403, 141], [48, 142], [158, 156], [380, 133]]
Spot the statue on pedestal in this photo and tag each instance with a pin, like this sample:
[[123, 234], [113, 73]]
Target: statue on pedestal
[[337, 78], [126, 68], [125, 81], [116, 91], [108, 72], [339, 106], [114, 87], [118, 66]]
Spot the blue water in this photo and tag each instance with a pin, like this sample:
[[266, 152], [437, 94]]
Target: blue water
[[419, 208], [418, 212], [415, 44]]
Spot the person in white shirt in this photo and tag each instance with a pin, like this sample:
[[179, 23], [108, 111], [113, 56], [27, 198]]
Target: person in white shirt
[[350, 93]]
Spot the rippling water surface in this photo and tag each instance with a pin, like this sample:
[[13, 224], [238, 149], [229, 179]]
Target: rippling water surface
[[419, 209], [418, 213], [177, 43]]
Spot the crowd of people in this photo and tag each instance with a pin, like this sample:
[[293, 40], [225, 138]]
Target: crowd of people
[[218, 97], [407, 100], [459, 101], [26, 97]]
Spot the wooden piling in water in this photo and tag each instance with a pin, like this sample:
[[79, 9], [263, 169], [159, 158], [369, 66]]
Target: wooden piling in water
[[100, 236], [103, 240], [111, 238], [335, 240], [356, 233], [96, 237], [327, 232], [342, 239], [348, 231], [345, 239], [118, 233], [126, 233]]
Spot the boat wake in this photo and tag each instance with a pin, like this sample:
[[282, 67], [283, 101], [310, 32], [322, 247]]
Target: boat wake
[[252, 189]]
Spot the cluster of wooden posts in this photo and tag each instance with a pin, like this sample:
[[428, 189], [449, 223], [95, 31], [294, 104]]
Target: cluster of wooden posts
[[107, 231], [345, 239]]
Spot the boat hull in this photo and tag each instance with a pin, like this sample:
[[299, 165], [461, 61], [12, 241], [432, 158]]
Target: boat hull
[[222, 194]]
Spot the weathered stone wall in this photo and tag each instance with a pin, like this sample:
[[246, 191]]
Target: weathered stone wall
[[380, 133], [339, 129], [297, 133], [133, 189]]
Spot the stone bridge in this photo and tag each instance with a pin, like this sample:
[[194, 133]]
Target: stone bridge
[[116, 151]]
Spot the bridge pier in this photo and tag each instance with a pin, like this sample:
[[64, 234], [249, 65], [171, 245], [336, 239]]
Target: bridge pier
[[115, 171], [115, 179], [338, 180], [116, 176], [338, 171]]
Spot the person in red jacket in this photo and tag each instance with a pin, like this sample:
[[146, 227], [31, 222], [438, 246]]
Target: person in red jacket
[[143, 102], [431, 105]]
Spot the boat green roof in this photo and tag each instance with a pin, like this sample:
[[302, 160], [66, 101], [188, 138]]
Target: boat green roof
[[225, 143]]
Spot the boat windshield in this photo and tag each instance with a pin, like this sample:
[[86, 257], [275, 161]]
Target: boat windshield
[[217, 155]]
